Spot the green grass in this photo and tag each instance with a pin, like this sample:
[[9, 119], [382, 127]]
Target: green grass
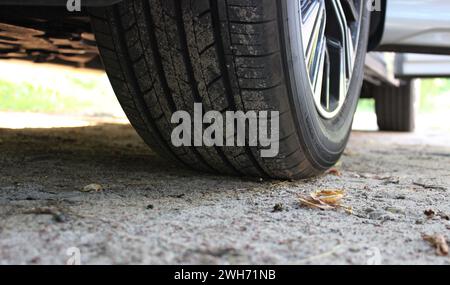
[[87, 84], [30, 97], [434, 94], [366, 105], [93, 94], [435, 87]]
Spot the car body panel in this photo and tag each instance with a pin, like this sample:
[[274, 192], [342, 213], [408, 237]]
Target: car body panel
[[401, 25], [417, 23], [422, 65]]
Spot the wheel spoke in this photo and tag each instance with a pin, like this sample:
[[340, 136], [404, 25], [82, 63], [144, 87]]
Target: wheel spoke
[[345, 54], [314, 23], [351, 10], [319, 78]]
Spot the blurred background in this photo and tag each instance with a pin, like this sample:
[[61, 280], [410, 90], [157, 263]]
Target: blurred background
[[48, 96]]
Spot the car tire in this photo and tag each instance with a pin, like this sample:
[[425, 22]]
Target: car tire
[[239, 55], [395, 107]]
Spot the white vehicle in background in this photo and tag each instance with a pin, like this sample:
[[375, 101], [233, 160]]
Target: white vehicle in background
[[306, 59], [419, 32]]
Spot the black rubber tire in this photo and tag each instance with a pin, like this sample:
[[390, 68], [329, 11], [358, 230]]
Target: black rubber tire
[[164, 55], [395, 107]]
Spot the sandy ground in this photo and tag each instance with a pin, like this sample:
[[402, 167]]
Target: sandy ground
[[153, 212]]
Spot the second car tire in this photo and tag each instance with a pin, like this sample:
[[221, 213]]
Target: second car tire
[[395, 106]]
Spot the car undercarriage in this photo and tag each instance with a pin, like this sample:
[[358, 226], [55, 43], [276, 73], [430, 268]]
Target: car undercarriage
[[46, 31]]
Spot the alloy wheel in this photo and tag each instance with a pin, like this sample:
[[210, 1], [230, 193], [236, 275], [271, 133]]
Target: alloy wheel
[[330, 32]]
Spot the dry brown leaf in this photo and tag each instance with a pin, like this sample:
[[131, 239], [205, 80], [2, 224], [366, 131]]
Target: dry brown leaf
[[438, 242], [314, 204], [330, 197], [325, 200], [349, 153], [334, 171]]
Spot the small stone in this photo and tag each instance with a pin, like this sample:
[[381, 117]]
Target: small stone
[[376, 215], [278, 208], [389, 218], [392, 180], [150, 207], [369, 210], [381, 216], [92, 188], [396, 210], [354, 249], [60, 217], [430, 213], [354, 175]]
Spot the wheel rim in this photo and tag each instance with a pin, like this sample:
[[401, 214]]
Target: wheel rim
[[330, 35]]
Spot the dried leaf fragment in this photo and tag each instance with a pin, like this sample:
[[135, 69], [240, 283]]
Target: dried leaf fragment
[[57, 214], [334, 171], [313, 204], [325, 200], [330, 197], [438, 242], [92, 188]]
